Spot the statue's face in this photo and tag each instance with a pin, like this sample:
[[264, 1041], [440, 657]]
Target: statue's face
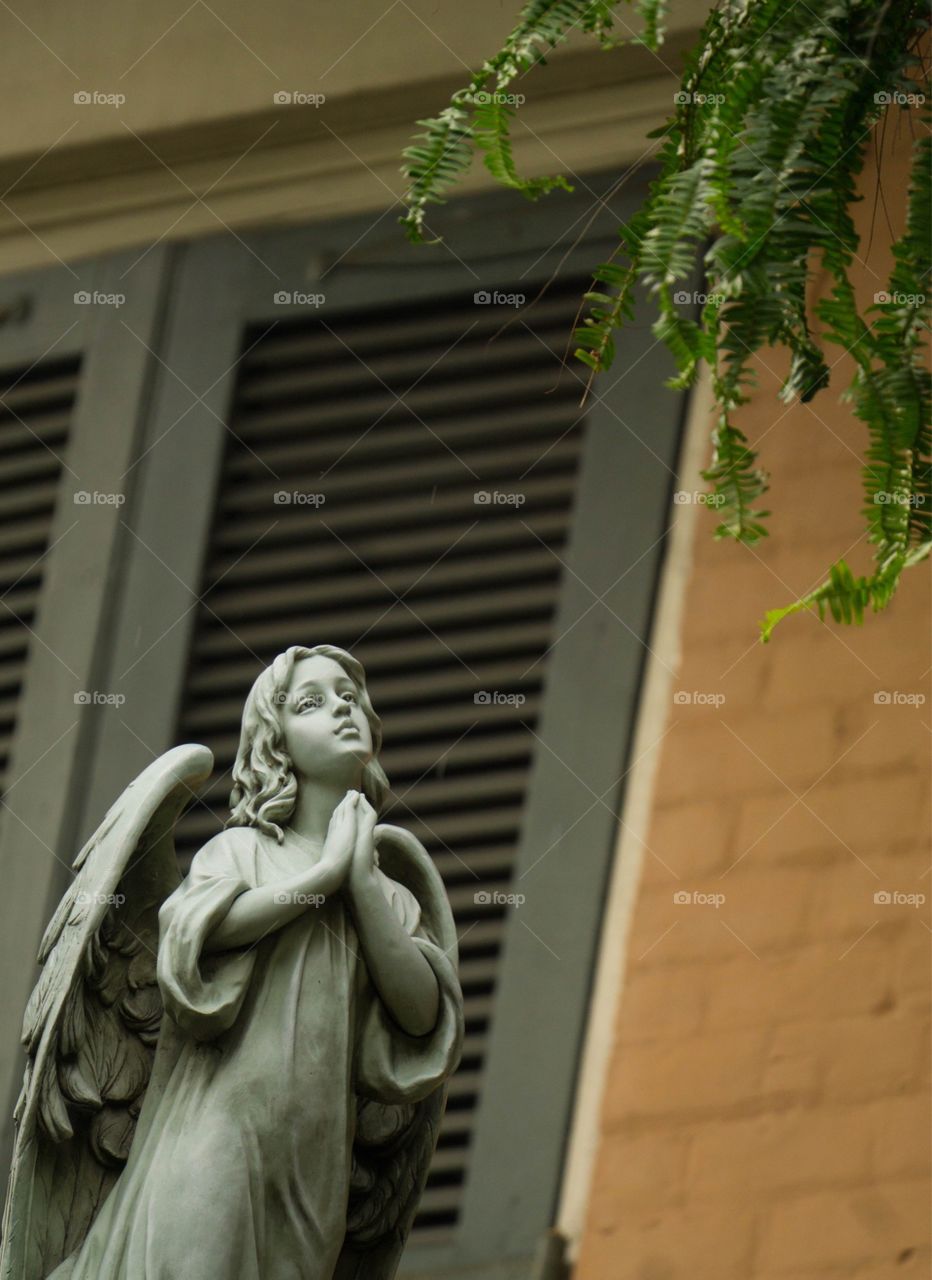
[[326, 733]]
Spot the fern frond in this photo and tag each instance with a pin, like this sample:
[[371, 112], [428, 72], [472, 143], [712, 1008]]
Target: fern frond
[[480, 114], [758, 174]]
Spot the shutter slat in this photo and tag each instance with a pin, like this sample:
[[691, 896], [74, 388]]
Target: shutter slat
[[256, 485], [497, 608], [438, 324], [359, 586], [282, 525], [526, 641], [382, 547], [286, 423]]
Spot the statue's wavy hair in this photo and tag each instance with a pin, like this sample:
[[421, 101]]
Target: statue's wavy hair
[[264, 784]]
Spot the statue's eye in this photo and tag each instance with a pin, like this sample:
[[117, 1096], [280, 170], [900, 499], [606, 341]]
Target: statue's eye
[[350, 697], [309, 701]]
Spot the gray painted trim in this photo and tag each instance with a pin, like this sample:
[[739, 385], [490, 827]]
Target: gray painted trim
[[40, 815], [38, 316], [167, 531]]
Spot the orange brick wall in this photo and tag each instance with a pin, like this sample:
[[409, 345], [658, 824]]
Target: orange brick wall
[[766, 1113]]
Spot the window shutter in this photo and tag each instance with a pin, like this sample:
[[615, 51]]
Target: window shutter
[[36, 404], [427, 556]]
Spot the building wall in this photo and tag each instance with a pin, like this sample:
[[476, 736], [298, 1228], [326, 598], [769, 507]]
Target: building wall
[[766, 1102], [128, 123]]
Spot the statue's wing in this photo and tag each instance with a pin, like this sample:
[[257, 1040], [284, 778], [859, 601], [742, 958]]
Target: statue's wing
[[395, 1142], [93, 1020]]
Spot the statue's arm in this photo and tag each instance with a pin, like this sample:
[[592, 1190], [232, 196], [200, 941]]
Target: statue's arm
[[268, 907], [400, 972]]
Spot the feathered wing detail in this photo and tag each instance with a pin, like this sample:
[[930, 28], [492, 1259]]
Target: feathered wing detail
[[93, 1020], [395, 1141]]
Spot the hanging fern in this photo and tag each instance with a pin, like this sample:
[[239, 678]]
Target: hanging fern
[[758, 171]]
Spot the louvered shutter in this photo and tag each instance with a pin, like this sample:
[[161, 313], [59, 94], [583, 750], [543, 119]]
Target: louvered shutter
[[444, 597], [36, 404]]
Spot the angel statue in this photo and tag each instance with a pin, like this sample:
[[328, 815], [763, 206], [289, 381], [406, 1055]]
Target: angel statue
[[240, 1075]]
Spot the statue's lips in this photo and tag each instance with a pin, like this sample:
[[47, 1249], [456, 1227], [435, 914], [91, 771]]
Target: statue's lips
[[346, 728]]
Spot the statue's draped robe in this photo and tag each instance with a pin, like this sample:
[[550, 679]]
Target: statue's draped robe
[[240, 1166]]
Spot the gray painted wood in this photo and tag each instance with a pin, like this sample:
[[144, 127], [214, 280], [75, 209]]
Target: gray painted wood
[[41, 811], [165, 533]]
